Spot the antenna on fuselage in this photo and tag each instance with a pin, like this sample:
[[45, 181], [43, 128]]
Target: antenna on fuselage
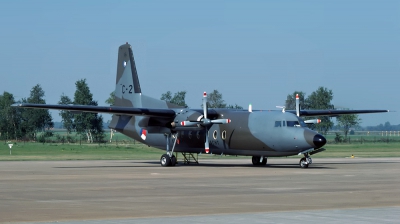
[[282, 107]]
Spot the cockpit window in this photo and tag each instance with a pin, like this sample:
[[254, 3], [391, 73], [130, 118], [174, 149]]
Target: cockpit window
[[293, 124], [290, 124]]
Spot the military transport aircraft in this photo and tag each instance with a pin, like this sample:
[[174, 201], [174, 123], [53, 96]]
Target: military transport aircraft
[[258, 133]]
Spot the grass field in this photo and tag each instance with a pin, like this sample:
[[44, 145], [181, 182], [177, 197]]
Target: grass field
[[51, 151]]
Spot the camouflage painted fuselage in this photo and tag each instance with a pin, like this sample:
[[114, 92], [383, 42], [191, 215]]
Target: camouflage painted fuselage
[[249, 133]]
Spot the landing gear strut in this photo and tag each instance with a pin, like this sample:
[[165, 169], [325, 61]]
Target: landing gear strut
[[305, 161], [259, 160], [169, 158]]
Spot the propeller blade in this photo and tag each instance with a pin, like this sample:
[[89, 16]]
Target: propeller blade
[[189, 123], [206, 144], [314, 121], [221, 121], [297, 105], [205, 109]]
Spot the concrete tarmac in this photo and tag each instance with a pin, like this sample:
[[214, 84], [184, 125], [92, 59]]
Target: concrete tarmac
[[50, 191]]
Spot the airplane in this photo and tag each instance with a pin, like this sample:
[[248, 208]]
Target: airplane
[[175, 129]]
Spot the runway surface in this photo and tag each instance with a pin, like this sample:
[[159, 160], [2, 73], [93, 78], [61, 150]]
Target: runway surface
[[229, 190]]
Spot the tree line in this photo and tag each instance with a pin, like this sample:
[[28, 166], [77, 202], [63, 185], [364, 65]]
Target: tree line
[[23, 123], [383, 127]]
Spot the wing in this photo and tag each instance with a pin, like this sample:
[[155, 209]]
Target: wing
[[334, 113], [102, 109]]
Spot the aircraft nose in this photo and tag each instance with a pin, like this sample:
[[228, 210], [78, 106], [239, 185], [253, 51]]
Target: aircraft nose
[[319, 141]]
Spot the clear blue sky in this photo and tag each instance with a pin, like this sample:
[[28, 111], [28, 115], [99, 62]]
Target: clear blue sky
[[254, 52]]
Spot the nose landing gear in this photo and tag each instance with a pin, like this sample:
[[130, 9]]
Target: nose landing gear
[[259, 160], [305, 161]]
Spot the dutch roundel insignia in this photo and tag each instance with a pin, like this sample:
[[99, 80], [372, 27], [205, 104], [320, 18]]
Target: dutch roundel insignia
[[143, 134]]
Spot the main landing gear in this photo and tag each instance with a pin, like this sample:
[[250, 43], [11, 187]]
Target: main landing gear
[[259, 160], [305, 161], [169, 158]]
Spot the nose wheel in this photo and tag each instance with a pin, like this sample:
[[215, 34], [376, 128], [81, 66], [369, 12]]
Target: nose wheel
[[259, 160], [305, 161]]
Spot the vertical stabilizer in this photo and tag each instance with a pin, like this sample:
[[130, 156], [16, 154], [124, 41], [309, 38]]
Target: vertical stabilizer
[[127, 89]]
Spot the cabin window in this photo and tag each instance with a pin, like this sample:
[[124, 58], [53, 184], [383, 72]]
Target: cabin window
[[198, 135], [190, 134], [223, 135], [278, 124], [215, 134]]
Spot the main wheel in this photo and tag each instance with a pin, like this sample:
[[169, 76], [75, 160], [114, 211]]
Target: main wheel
[[173, 160], [255, 160], [165, 160], [303, 163]]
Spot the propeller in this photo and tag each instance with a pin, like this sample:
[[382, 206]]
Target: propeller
[[204, 122], [314, 121]]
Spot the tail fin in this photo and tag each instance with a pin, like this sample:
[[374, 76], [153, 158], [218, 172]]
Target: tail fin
[[127, 87], [126, 64]]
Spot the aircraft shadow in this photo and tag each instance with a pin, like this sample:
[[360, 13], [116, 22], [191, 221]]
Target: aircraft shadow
[[92, 167], [290, 166], [137, 165], [364, 162]]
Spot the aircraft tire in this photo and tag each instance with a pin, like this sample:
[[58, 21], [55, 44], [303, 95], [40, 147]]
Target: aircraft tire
[[303, 163], [173, 160], [256, 160], [165, 160], [264, 162]]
